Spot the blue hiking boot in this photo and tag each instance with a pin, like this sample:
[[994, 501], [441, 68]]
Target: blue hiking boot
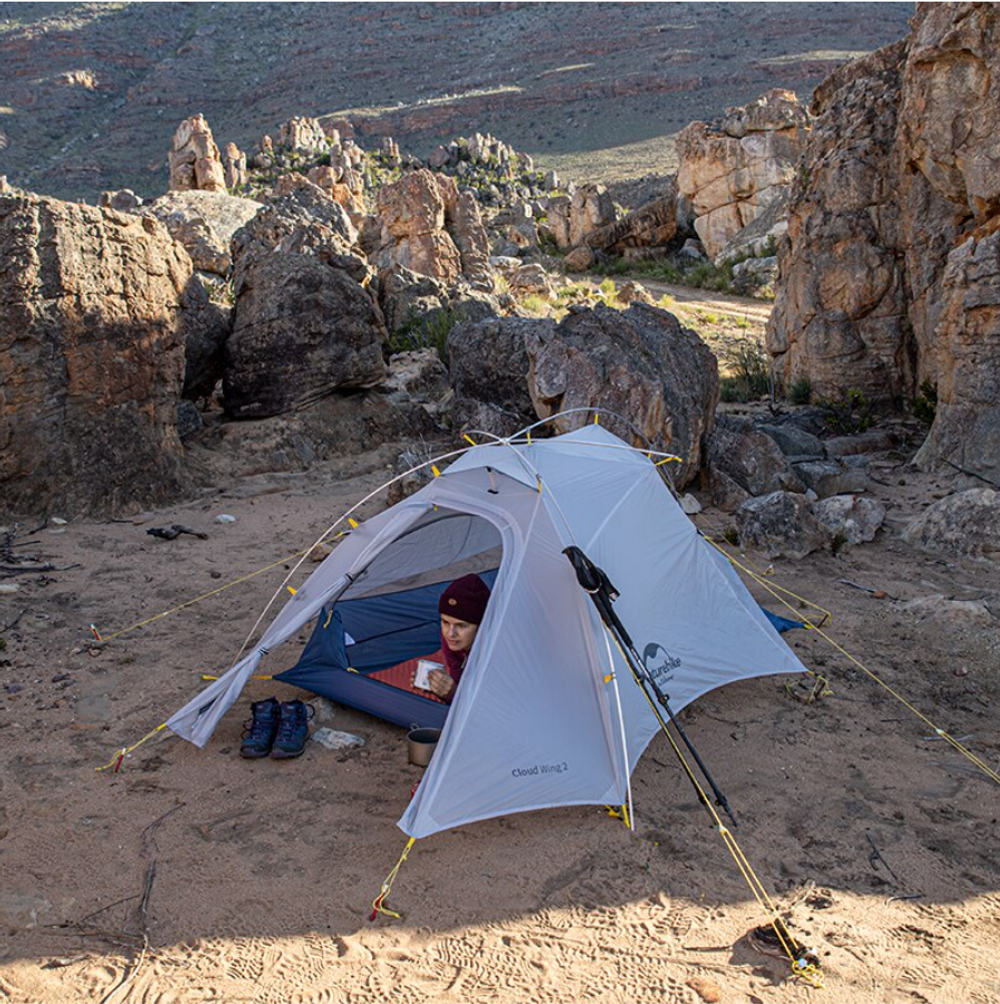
[[260, 731], [293, 730]]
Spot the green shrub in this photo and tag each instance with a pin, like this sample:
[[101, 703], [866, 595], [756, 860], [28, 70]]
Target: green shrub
[[851, 415], [429, 331], [800, 392], [608, 287], [535, 303], [731, 536], [925, 403]]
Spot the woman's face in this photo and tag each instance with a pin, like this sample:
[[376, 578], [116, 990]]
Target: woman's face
[[458, 635]]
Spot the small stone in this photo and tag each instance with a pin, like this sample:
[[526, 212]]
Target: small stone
[[225, 518], [9, 587], [59, 677], [215, 575], [331, 739], [962, 671], [707, 989], [13, 688], [690, 504], [879, 594], [59, 521]]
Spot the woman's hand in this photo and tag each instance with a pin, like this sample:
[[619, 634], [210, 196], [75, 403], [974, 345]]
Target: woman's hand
[[440, 683]]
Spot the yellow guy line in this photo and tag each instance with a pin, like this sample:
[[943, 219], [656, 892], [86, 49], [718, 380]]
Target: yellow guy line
[[213, 592], [965, 751]]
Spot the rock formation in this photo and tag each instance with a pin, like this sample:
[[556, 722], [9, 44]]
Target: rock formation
[[732, 169], [91, 357], [429, 228], [651, 226], [194, 158], [204, 222], [304, 325], [234, 166], [890, 271], [302, 135], [640, 363], [573, 219]]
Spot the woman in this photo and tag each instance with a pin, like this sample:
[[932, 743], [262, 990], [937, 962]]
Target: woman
[[462, 607]]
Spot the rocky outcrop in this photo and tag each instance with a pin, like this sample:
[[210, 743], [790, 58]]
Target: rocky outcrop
[[204, 222], [780, 524], [733, 169], [889, 269], [640, 363], [416, 304], [91, 357], [304, 325], [488, 367], [302, 135], [194, 158], [429, 228], [234, 166], [965, 523], [651, 226], [572, 220]]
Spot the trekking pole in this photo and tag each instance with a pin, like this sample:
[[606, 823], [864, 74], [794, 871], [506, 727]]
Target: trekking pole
[[595, 582]]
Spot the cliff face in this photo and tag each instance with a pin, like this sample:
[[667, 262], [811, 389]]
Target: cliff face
[[890, 271]]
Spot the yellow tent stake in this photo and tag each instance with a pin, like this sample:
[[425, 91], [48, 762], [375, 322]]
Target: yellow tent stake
[[378, 904], [116, 761], [205, 676], [469, 439], [291, 589]]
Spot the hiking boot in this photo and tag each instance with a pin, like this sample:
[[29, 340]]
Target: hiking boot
[[293, 731], [259, 732]]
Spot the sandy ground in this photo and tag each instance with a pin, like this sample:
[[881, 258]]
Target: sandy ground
[[265, 871]]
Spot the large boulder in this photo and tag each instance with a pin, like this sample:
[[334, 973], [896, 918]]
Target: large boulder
[[965, 523], [91, 357], [303, 329], [850, 518], [651, 226], [204, 222], [640, 363], [305, 324], [205, 327], [733, 169], [780, 524], [488, 364], [572, 219], [742, 462], [889, 267]]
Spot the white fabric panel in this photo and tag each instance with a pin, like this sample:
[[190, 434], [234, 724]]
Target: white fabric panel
[[531, 725]]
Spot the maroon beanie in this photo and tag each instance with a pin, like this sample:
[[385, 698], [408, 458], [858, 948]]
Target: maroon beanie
[[465, 599]]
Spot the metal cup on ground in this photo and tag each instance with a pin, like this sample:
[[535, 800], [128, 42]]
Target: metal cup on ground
[[421, 744]]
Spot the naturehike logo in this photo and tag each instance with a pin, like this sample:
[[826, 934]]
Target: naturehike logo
[[660, 663]]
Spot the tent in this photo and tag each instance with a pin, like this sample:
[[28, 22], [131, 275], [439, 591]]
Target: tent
[[547, 713]]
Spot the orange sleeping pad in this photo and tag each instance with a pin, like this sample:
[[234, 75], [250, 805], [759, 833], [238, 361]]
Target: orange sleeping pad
[[401, 675]]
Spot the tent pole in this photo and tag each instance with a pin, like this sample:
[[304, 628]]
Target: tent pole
[[596, 584], [621, 725]]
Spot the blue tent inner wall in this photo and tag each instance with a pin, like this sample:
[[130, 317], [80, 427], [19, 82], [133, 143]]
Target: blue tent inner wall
[[377, 632]]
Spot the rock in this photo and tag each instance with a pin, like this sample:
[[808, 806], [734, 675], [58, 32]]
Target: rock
[[951, 613], [739, 455], [124, 200], [407, 297], [834, 477], [755, 273], [651, 226], [225, 517], [437, 158], [488, 368], [580, 259], [573, 219], [889, 267], [634, 292], [189, 420], [690, 505], [964, 523], [206, 327], [204, 222], [530, 279], [734, 168], [639, 363], [331, 739], [302, 134], [420, 374], [302, 329], [856, 520], [91, 357], [872, 441], [194, 158], [694, 250], [780, 524], [411, 480], [234, 166], [793, 441], [706, 988], [464, 223], [326, 710]]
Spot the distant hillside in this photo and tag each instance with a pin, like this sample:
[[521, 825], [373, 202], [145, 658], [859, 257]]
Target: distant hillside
[[90, 93]]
